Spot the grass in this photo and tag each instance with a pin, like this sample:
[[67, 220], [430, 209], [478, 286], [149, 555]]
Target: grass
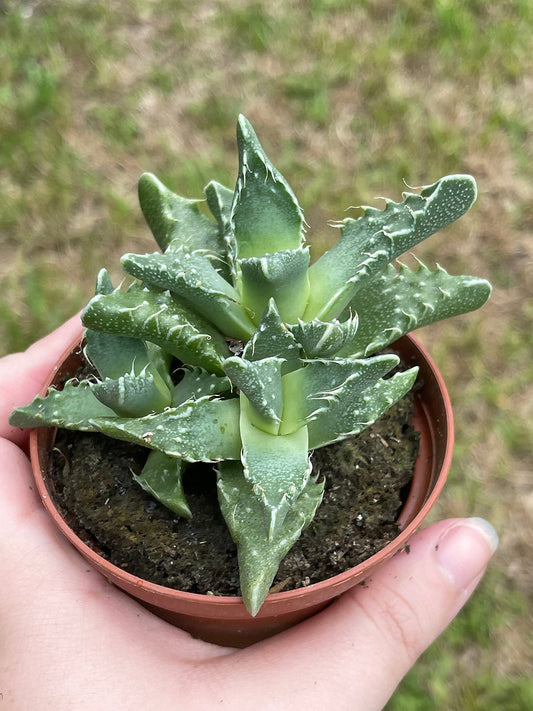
[[353, 100]]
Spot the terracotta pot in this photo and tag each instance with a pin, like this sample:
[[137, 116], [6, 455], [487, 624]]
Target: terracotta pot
[[225, 620]]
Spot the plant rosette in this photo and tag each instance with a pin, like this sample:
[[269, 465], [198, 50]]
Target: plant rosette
[[230, 348]]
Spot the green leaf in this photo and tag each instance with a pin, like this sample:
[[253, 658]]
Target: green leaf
[[119, 359], [197, 431], [74, 407], [197, 383], [134, 395], [437, 206], [278, 467], [112, 355], [157, 317], [160, 362], [336, 276], [322, 339], [281, 276], [259, 555], [397, 302], [348, 415], [260, 381], [219, 200], [202, 430], [162, 478], [368, 244], [266, 216], [192, 278], [104, 285], [272, 339], [173, 218], [310, 391]]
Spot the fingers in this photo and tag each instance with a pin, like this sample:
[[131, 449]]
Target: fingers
[[355, 653], [22, 374]]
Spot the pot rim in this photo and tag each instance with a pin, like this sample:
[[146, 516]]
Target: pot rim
[[233, 603]]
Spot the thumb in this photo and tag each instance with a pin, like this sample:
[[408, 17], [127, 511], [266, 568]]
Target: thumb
[[22, 374], [359, 649]]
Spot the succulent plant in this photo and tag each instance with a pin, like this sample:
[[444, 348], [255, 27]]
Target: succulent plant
[[230, 347]]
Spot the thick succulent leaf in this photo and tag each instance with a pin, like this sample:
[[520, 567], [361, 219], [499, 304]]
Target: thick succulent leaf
[[112, 355], [322, 339], [272, 339], [162, 478], [311, 391], [368, 244], [74, 407], [336, 276], [197, 431], [197, 383], [104, 285], [260, 381], [134, 395], [259, 555], [277, 467], [266, 216], [193, 279], [397, 302], [157, 317], [219, 200], [173, 218], [281, 276], [160, 361], [437, 206], [348, 415], [135, 376]]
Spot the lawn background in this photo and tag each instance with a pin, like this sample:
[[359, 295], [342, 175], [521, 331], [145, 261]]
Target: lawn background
[[352, 100]]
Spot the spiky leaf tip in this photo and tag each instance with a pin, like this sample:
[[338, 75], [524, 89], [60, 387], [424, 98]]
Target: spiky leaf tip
[[260, 555], [173, 218], [266, 216], [161, 477]]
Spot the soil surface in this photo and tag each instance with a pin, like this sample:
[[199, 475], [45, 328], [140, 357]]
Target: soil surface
[[366, 480]]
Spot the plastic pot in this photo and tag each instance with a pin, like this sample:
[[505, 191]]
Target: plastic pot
[[225, 620]]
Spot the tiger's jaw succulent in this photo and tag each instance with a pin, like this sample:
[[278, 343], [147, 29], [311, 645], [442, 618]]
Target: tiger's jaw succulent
[[277, 357]]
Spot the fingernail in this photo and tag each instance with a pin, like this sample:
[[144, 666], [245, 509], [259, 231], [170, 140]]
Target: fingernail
[[465, 549]]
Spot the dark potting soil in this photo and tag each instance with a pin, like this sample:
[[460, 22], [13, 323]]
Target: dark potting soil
[[366, 481]]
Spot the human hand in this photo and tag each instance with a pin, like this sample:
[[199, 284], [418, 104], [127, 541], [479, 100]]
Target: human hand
[[69, 640]]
